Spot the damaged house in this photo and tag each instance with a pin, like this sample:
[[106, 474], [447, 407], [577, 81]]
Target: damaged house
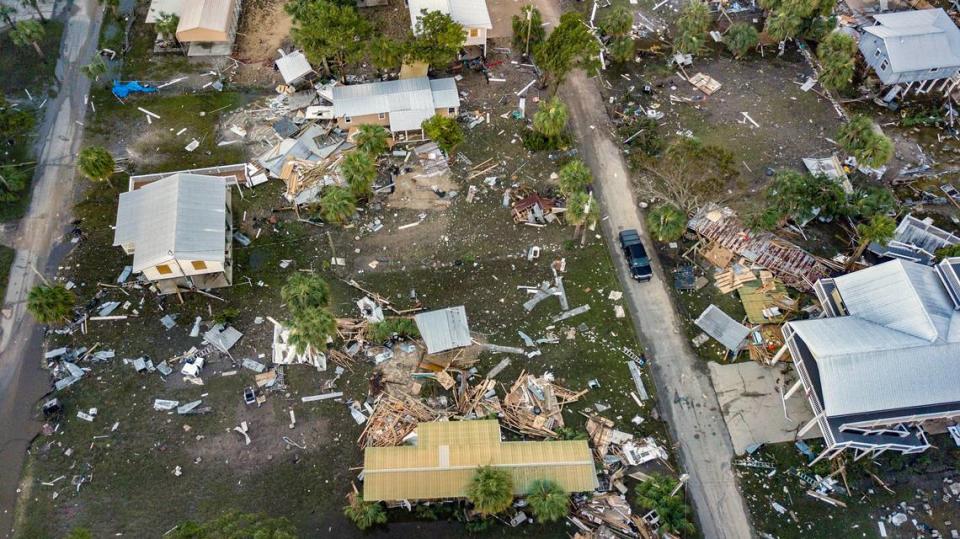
[[915, 240], [399, 105], [908, 47], [884, 361], [471, 14], [179, 230], [446, 454]]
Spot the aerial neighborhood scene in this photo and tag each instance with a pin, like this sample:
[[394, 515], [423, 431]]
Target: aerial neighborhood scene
[[279, 269]]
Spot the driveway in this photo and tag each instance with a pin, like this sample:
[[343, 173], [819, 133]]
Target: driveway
[[38, 244], [685, 394]]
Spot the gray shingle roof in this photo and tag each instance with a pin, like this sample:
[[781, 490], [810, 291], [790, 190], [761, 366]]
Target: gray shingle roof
[[917, 40], [444, 329], [183, 214]]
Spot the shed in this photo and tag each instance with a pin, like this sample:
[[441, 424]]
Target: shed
[[444, 329], [207, 21], [294, 68], [718, 324]]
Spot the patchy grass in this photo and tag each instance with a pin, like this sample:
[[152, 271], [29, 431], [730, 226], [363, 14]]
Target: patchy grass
[[6, 261], [23, 69]]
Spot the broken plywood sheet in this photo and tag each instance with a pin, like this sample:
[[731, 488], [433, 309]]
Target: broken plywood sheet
[[705, 83]]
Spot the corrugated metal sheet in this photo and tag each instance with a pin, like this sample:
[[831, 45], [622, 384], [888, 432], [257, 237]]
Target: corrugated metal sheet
[[469, 13], [182, 216], [445, 93], [444, 329], [205, 20], [294, 67], [718, 324], [413, 100], [447, 455], [917, 40]]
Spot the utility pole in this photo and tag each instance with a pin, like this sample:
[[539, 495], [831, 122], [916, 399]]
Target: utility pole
[[526, 52]]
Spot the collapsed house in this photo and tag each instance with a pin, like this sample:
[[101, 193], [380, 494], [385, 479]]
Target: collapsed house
[[305, 162], [883, 360], [472, 15], [179, 230], [446, 455], [399, 105], [208, 27], [908, 47], [915, 240]]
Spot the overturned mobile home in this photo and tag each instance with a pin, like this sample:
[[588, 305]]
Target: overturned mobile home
[[885, 358]]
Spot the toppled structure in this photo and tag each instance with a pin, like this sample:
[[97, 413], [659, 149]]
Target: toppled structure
[[915, 240], [534, 405]]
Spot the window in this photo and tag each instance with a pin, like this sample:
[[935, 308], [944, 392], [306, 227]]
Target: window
[[877, 54], [346, 119], [883, 65], [451, 110], [199, 265], [934, 69], [382, 115], [474, 32], [164, 269]]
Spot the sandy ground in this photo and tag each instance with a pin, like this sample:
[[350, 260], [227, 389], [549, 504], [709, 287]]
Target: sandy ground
[[264, 28]]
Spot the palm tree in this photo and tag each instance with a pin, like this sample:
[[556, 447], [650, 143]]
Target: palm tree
[[666, 223], [359, 170], [445, 131], [337, 205], [96, 163], [28, 33], [655, 494], [491, 490], [581, 209], [371, 139], [861, 139], [50, 303], [548, 501], [879, 229], [550, 120], [305, 291], [740, 38], [574, 177], [364, 514], [310, 329]]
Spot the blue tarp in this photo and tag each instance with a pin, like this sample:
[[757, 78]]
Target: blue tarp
[[123, 89]]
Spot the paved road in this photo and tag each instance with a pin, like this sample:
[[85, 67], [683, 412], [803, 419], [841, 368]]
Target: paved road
[[37, 238], [685, 394]]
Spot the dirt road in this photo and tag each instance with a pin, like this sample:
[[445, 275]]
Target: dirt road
[[685, 393], [38, 243]]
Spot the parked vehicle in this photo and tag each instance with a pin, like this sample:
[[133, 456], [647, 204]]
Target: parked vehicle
[[636, 255]]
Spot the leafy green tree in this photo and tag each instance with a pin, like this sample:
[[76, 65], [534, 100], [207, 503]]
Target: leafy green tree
[[310, 329], [490, 490], [446, 132], [548, 501], [949, 251], [304, 291], [654, 494], [7, 13], [551, 117], [437, 39], [574, 177], [692, 27], [741, 38], [365, 514], [791, 18], [686, 173], [326, 30], [96, 163], [371, 139], [528, 29], [569, 46], [838, 57], [35, 5], [622, 49], [50, 303], [581, 209], [399, 326], [878, 229], [13, 180], [666, 223], [385, 53], [337, 205], [859, 138], [872, 200], [14, 123], [28, 33], [799, 196], [359, 171], [167, 24], [617, 25], [236, 525], [95, 69]]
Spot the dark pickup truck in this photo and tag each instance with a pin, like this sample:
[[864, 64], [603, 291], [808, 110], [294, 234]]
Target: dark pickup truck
[[636, 255]]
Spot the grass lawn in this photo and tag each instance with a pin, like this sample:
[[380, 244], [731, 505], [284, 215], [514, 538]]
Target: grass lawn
[[23, 69], [6, 261]]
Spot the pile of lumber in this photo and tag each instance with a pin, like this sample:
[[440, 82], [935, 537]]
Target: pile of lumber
[[606, 513], [731, 279], [478, 401], [534, 406], [393, 418]]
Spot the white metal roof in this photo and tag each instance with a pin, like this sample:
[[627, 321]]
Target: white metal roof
[[205, 19], [718, 324], [444, 329], [293, 67], [419, 97], [918, 39], [182, 216], [469, 13]]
